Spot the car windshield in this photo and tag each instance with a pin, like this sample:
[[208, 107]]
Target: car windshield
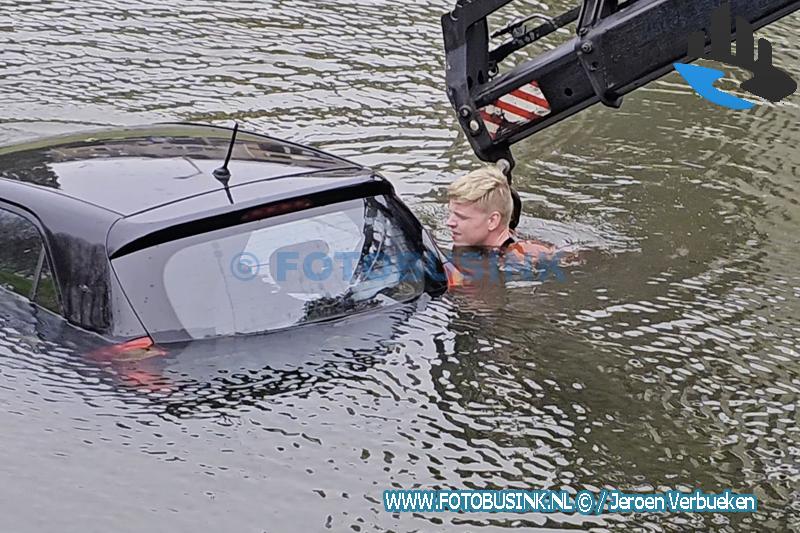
[[317, 264]]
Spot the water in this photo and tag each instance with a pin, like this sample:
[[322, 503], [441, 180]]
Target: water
[[668, 360]]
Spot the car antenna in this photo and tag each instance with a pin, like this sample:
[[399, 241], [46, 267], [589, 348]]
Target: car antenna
[[222, 174]]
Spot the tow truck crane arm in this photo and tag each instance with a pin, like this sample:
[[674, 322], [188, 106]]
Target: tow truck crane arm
[[619, 46]]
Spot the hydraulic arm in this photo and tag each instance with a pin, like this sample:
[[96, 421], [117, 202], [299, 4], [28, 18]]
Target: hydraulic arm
[[619, 47]]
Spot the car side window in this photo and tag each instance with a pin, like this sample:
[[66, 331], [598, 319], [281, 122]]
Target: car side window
[[24, 268], [46, 293]]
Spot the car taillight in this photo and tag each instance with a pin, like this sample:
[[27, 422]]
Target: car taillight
[[133, 350], [454, 277]]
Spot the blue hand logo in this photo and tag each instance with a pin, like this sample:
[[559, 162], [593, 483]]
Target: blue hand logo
[[768, 81], [702, 80]]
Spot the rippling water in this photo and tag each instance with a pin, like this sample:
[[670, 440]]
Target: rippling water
[[668, 360]]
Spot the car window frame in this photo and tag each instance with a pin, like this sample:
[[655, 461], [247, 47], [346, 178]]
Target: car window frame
[[45, 256]]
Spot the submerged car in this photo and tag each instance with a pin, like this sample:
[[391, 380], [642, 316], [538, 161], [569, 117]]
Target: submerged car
[[172, 233]]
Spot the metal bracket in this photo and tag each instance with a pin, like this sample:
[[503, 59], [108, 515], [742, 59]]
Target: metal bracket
[[592, 11], [590, 55], [596, 65]]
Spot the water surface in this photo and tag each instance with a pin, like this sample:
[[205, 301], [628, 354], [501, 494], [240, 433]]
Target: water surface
[[668, 360]]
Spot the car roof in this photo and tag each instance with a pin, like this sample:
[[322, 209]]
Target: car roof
[[135, 169]]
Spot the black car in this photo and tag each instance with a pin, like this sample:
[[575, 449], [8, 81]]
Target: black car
[[139, 236]]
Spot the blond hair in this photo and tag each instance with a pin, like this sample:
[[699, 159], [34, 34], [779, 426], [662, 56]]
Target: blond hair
[[488, 188]]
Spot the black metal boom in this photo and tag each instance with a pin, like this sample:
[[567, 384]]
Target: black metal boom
[[619, 47]]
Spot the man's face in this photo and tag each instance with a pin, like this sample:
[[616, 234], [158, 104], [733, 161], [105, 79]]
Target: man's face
[[469, 225]]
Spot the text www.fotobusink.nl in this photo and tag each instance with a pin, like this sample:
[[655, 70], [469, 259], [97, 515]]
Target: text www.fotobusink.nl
[[584, 502]]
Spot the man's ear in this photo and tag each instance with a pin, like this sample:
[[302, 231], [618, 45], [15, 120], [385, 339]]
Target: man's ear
[[494, 220]]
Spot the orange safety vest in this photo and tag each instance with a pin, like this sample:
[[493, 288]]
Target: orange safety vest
[[526, 252]]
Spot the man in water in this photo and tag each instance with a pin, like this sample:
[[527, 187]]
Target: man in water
[[485, 247], [480, 213]]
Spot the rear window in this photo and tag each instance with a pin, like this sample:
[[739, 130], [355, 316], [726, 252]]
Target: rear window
[[313, 265]]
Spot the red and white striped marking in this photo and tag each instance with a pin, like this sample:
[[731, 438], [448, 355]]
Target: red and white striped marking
[[522, 105]]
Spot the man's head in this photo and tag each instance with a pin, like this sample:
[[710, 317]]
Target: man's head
[[480, 208]]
